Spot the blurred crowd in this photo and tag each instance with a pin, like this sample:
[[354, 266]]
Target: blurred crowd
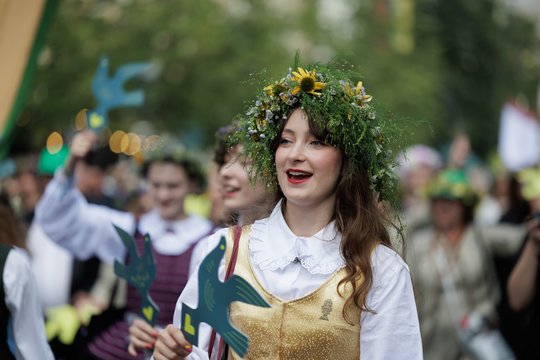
[[466, 224]]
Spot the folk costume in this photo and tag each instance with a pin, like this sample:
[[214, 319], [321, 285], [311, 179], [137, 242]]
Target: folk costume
[[85, 230], [299, 277]]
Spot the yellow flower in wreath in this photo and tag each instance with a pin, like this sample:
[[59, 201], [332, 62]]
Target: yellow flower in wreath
[[361, 95], [261, 124], [269, 90], [307, 82]]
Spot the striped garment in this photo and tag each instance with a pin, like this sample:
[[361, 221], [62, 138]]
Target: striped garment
[[172, 272]]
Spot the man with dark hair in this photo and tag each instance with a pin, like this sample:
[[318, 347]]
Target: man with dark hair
[[90, 174]]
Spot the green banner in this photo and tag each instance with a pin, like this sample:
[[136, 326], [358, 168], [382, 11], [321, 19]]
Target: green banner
[[23, 28]]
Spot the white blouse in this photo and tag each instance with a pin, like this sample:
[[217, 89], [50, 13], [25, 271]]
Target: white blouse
[[22, 301], [291, 266], [87, 229]]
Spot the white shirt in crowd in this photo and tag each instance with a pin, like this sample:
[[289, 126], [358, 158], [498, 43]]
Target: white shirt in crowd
[[52, 266], [22, 301]]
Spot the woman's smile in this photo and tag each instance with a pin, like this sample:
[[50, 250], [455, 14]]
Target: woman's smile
[[296, 176]]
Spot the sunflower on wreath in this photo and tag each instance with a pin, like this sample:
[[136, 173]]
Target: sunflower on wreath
[[340, 107]]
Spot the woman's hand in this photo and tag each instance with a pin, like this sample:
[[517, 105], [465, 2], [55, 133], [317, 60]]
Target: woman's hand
[[141, 336], [80, 146], [171, 344]]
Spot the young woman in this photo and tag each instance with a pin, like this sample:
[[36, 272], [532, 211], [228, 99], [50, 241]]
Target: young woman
[[86, 229], [323, 258], [243, 201]]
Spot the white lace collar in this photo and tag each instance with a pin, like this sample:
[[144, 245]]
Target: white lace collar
[[273, 246]]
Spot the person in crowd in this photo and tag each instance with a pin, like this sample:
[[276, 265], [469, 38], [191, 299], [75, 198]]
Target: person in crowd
[[90, 175], [524, 281], [30, 186], [324, 252], [459, 153], [91, 172], [52, 265], [516, 211], [86, 229], [244, 203], [22, 331], [417, 166], [489, 210], [65, 283], [451, 265]]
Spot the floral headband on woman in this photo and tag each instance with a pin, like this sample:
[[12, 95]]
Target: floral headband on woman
[[336, 104]]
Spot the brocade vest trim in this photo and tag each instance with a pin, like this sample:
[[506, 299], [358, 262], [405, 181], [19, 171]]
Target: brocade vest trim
[[311, 327]]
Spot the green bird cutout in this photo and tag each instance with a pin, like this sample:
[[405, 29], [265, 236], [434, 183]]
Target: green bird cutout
[[214, 299], [140, 272]]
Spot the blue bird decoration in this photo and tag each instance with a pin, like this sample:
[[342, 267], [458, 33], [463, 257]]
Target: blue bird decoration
[[214, 299], [140, 272], [110, 94]]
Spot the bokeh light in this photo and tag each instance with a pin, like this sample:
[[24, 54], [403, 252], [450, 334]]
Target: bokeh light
[[54, 142], [115, 141], [134, 144]]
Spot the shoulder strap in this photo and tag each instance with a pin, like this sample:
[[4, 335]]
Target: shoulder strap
[[237, 232]]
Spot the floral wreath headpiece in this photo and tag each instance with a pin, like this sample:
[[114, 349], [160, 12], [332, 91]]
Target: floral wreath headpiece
[[334, 103], [179, 155]]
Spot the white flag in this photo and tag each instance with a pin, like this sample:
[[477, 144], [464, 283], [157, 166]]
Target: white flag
[[519, 138]]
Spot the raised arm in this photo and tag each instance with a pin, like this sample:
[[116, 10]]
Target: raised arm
[[68, 219], [521, 285], [503, 239]]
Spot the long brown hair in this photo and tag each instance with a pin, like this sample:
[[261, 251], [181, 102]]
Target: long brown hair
[[12, 229], [359, 218], [363, 226]]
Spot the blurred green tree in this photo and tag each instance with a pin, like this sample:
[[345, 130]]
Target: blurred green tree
[[487, 55], [440, 66]]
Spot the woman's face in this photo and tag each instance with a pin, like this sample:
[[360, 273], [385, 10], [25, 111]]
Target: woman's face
[[238, 195], [307, 169], [447, 214], [168, 187]]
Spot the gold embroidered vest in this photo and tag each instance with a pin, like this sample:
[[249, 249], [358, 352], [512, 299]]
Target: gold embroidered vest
[[311, 327]]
